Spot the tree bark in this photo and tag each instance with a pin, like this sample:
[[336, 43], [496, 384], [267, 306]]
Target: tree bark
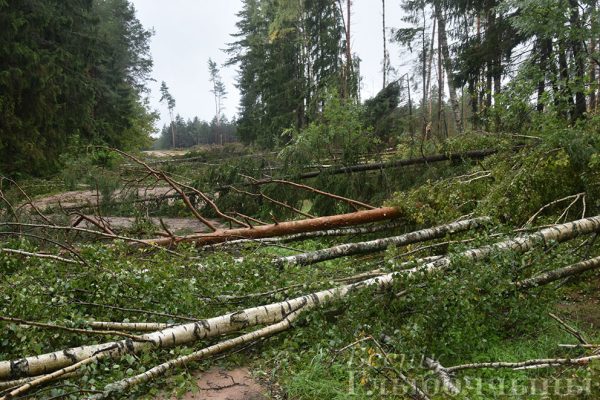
[[579, 61], [443, 38], [284, 228], [473, 155], [560, 273], [373, 246]]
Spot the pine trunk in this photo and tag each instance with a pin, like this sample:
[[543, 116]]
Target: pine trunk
[[443, 38]]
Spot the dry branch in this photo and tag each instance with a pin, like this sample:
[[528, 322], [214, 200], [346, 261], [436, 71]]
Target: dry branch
[[314, 190], [160, 175], [83, 230], [272, 200], [373, 246]]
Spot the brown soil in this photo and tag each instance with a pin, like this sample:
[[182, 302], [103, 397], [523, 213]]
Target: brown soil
[[583, 307], [220, 384]]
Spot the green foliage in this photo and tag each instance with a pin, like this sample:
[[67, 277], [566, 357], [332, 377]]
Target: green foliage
[[195, 132], [70, 71], [338, 131], [288, 55]]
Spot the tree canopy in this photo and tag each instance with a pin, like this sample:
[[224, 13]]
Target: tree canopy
[[72, 72]]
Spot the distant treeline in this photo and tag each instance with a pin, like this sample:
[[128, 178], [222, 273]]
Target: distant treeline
[[72, 73], [194, 132]]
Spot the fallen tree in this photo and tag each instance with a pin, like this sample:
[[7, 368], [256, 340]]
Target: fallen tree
[[283, 228], [471, 155], [372, 246], [308, 235], [271, 313]]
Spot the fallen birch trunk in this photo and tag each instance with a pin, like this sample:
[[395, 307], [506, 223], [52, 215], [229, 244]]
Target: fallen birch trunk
[[443, 375], [272, 313], [218, 348], [529, 364], [284, 228], [372, 246], [560, 273]]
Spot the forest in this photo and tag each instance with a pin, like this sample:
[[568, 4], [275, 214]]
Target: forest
[[436, 240]]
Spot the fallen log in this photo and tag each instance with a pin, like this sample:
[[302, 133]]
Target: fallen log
[[308, 235], [283, 228], [529, 364], [443, 375], [373, 246], [276, 312], [471, 155], [560, 273]]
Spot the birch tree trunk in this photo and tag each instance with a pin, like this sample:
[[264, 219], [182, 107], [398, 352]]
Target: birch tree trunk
[[275, 312], [560, 273], [374, 246]]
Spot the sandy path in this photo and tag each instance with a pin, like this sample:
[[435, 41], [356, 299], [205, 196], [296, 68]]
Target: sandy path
[[220, 384]]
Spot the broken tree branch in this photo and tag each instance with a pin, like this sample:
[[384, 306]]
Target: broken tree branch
[[71, 330], [578, 335], [534, 216], [160, 175], [311, 189], [40, 255], [272, 200]]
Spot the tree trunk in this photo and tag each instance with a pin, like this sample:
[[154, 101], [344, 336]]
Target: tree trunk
[[373, 246], [443, 39], [276, 312], [545, 46], [579, 60], [473, 155], [560, 273], [284, 228]]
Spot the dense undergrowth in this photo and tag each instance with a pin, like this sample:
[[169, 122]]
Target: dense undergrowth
[[469, 313]]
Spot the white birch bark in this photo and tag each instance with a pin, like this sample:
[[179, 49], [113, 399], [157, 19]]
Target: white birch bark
[[560, 273]]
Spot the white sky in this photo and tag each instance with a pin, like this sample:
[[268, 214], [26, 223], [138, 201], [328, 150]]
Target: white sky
[[188, 32]]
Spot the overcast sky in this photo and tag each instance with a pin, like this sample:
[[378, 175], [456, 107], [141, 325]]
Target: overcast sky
[[188, 32]]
